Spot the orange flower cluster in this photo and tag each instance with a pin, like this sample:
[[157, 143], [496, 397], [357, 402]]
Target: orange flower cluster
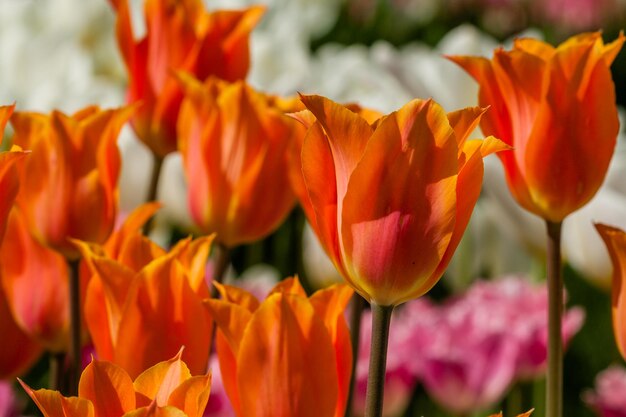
[[180, 36], [389, 196]]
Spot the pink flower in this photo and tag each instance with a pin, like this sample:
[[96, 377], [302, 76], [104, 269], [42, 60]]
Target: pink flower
[[609, 397], [522, 308], [7, 400], [470, 362], [487, 338], [578, 15]]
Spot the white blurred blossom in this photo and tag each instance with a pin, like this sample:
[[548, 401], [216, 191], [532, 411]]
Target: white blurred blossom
[[58, 54]]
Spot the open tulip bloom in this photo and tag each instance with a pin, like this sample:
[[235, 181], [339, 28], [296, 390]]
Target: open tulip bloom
[[167, 389], [391, 201], [556, 107]]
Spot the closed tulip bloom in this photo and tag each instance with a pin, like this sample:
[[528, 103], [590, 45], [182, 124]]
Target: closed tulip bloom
[[615, 241], [69, 189], [180, 35], [143, 303], [556, 108], [166, 389], [19, 351], [234, 143], [289, 355], [392, 198]]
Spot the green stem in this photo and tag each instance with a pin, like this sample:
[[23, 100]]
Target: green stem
[[554, 377], [157, 166], [75, 328], [222, 260], [221, 265], [381, 319], [55, 376], [356, 312]]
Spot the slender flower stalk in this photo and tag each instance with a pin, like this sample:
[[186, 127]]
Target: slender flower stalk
[[75, 328], [356, 313], [157, 167], [554, 377], [381, 319]]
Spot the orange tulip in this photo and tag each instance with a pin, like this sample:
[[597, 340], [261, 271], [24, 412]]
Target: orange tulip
[[234, 143], [615, 240], [35, 282], [18, 351], [287, 356], [106, 390], [556, 108], [392, 198], [69, 189], [143, 303], [180, 35]]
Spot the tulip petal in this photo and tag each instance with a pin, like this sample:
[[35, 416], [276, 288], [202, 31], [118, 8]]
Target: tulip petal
[[53, 404], [35, 282], [154, 411], [615, 241], [286, 363], [319, 176], [330, 304], [611, 50], [106, 292], [9, 183], [229, 60], [497, 120], [231, 319], [347, 134], [464, 122], [108, 387], [237, 296], [408, 211], [468, 188], [194, 258], [289, 286], [19, 351], [192, 395], [163, 308], [159, 381], [131, 226]]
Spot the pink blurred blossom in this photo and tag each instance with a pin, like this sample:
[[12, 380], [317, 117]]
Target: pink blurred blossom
[[8, 405], [578, 14], [609, 397], [521, 309], [467, 351], [470, 362]]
